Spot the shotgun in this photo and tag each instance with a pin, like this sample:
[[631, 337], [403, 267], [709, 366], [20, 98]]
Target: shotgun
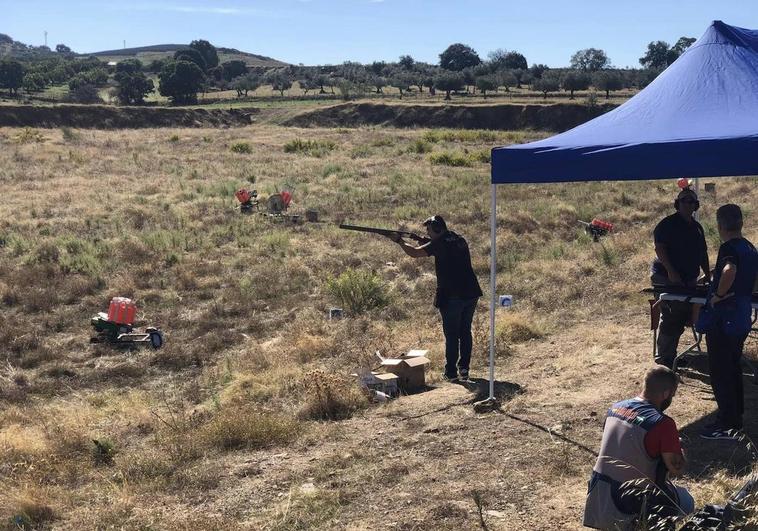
[[387, 232]]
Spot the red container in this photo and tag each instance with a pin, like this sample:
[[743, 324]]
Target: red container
[[242, 195], [600, 224], [122, 311], [286, 198]]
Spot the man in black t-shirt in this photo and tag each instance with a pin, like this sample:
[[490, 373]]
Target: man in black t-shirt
[[457, 291], [681, 253]]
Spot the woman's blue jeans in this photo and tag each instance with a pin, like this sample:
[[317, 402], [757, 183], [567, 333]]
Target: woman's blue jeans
[[457, 315]]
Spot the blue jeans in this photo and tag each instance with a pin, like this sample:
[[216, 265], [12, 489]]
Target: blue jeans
[[457, 315]]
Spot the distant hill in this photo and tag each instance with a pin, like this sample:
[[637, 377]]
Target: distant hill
[[162, 51]]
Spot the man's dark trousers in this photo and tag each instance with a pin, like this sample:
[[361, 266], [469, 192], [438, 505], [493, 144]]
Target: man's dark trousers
[[724, 360], [674, 317], [457, 315]]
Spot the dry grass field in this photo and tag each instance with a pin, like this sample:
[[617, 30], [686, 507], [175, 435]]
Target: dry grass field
[[248, 418]]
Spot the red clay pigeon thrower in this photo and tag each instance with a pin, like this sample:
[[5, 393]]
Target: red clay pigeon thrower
[[117, 327], [597, 228]]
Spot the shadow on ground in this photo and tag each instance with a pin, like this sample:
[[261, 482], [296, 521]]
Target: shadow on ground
[[707, 457]]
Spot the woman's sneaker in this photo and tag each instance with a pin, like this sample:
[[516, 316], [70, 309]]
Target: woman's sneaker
[[447, 378], [463, 375]]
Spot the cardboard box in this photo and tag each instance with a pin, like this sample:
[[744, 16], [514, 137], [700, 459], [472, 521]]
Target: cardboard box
[[387, 383], [409, 370]]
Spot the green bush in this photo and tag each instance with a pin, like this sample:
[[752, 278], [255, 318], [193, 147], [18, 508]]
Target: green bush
[[314, 148], [420, 146], [446, 158], [358, 291], [242, 147]]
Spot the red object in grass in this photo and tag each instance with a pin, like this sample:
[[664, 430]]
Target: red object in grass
[[242, 195], [122, 311], [684, 182], [286, 198], [603, 225]]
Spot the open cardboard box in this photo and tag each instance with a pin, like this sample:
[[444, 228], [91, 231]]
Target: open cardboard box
[[409, 369]]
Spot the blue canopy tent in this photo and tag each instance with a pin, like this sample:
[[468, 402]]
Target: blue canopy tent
[[699, 118]]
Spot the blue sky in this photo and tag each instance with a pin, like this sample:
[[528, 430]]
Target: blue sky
[[333, 31]]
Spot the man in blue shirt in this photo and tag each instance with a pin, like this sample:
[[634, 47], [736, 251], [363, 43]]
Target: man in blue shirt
[[730, 302]]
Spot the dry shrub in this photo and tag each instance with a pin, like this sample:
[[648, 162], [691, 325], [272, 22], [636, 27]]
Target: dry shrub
[[514, 327], [120, 374], [330, 397], [304, 511], [307, 347], [177, 356], [28, 508], [37, 357], [142, 465], [247, 427]]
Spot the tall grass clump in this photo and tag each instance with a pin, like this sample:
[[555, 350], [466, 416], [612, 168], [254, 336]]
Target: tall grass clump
[[241, 147], [358, 291], [455, 159], [314, 148], [329, 397], [247, 427], [420, 146]]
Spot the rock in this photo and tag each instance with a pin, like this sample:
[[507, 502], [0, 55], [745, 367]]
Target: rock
[[496, 514]]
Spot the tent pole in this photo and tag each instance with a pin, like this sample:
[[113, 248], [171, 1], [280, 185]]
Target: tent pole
[[490, 403], [696, 214], [493, 287]]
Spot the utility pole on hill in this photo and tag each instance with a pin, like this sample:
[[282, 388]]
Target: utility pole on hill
[[45, 37]]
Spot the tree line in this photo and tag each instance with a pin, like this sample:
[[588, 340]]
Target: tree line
[[197, 69]]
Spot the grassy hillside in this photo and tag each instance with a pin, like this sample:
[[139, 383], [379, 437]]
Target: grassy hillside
[[146, 54], [248, 418]]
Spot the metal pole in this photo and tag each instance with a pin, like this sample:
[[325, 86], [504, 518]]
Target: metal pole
[[696, 214], [493, 287]]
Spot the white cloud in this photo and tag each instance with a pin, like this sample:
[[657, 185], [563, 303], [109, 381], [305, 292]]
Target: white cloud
[[192, 9]]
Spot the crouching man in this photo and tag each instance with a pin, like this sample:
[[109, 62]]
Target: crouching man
[[640, 451]]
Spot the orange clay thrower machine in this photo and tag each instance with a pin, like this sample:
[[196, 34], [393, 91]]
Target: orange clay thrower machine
[[276, 204], [117, 327]]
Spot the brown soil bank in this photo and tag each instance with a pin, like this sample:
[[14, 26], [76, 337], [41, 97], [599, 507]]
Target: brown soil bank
[[108, 117], [558, 117]]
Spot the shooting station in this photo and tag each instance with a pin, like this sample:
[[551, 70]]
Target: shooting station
[[698, 118], [276, 205], [117, 327]]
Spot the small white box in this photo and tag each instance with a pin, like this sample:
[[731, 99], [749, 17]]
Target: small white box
[[506, 301]]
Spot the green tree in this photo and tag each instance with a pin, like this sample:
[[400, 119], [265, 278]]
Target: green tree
[[537, 70], [132, 86], [406, 62], [590, 59], [246, 83], [457, 57], [575, 81], [402, 81], [62, 49], [504, 60], [5, 39], [11, 75], [486, 83], [33, 82], [279, 80], [657, 55], [233, 69], [681, 45], [607, 81], [84, 94], [208, 51], [449, 81], [129, 66], [181, 81], [549, 82], [191, 55], [507, 79], [378, 67]]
